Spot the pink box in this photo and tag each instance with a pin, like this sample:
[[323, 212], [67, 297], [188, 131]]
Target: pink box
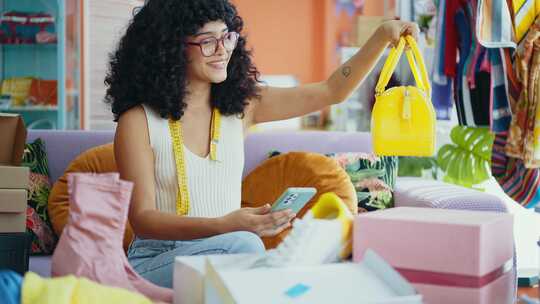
[[450, 256]]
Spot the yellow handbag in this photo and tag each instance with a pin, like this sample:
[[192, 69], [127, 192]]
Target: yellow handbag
[[403, 118]]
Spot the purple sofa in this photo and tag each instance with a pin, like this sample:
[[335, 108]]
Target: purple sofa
[[64, 146]]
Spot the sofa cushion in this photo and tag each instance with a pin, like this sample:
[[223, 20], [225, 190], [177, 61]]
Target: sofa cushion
[[425, 193], [372, 176], [296, 169], [99, 159]]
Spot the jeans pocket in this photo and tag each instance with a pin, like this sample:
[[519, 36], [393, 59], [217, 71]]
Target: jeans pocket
[[141, 248]]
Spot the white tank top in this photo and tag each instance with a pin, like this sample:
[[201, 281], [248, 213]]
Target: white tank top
[[214, 186]]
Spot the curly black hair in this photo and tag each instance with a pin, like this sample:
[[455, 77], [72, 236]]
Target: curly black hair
[[149, 65]]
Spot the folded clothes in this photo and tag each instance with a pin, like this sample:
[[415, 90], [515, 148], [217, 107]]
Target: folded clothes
[[10, 287], [72, 290]]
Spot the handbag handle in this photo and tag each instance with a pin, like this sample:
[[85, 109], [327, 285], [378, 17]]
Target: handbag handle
[[415, 60]]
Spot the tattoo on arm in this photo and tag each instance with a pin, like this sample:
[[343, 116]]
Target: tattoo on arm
[[346, 71]]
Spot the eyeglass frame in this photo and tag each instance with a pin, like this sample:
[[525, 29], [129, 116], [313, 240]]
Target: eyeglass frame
[[218, 40]]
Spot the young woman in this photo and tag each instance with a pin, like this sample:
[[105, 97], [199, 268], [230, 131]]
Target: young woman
[[184, 90]]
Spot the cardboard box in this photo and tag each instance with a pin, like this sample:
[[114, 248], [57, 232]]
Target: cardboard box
[[448, 255], [12, 140], [500, 291], [12, 144], [13, 201], [190, 271], [13, 210], [12, 222], [14, 177], [229, 279]]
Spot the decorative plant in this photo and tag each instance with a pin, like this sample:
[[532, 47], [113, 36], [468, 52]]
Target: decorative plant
[[467, 162], [415, 166]]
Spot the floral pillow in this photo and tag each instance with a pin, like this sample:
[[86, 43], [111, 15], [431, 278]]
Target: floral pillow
[[373, 177], [37, 218]]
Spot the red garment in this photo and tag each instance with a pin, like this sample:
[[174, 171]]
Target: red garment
[[451, 37]]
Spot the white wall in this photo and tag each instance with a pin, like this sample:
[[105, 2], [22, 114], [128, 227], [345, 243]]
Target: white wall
[[106, 22]]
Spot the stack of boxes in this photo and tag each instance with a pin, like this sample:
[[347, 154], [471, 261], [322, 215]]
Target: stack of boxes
[[449, 256], [14, 241]]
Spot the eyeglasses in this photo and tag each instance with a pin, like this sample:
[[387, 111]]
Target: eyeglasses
[[209, 46]]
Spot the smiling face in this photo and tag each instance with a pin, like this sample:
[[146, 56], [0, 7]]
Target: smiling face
[[209, 52]]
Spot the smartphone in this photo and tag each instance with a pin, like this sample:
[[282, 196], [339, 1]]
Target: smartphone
[[294, 199]]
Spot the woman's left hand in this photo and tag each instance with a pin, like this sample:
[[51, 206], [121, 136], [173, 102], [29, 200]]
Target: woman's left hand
[[392, 30]]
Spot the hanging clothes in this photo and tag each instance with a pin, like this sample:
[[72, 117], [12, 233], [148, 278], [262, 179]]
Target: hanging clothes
[[534, 93], [480, 85], [441, 86], [522, 142], [501, 113], [513, 85], [463, 101], [517, 181], [451, 36], [525, 14], [494, 24]]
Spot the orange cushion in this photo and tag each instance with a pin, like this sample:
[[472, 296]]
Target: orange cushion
[[296, 169], [99, 159]]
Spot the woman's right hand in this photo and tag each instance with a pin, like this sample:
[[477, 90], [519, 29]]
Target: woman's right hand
[[260, 221]]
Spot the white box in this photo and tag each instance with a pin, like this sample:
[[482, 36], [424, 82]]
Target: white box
[[189, 273], [228, 279]]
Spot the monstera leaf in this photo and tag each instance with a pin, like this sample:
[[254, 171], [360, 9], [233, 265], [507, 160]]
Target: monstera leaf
[[416, 166], [467, 162]]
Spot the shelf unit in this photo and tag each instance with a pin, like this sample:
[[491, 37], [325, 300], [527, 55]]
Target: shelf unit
[[51, 61]]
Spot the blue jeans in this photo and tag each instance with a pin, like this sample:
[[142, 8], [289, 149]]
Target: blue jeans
[[154, 259]]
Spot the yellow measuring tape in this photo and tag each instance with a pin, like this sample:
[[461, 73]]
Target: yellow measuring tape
[[175, 127]]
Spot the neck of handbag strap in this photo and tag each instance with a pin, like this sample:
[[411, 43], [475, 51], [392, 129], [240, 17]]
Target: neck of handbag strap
[[175, 127], [416, 63]]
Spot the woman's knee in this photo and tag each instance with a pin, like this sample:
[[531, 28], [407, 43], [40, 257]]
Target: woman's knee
[[246, 242]]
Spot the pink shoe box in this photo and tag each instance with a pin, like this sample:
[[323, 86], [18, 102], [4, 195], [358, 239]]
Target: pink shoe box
[[450, 256]]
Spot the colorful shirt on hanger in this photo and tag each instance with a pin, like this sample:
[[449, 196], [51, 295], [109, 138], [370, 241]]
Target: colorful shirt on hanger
[[481, 87], [501, 113], [451, 36], [517, 181], [472, 99], [525, 13], [521, 139], [441, 86], [494, 24]]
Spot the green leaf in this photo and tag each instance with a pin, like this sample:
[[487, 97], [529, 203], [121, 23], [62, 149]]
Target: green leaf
[[413, 166], [467, 162]]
